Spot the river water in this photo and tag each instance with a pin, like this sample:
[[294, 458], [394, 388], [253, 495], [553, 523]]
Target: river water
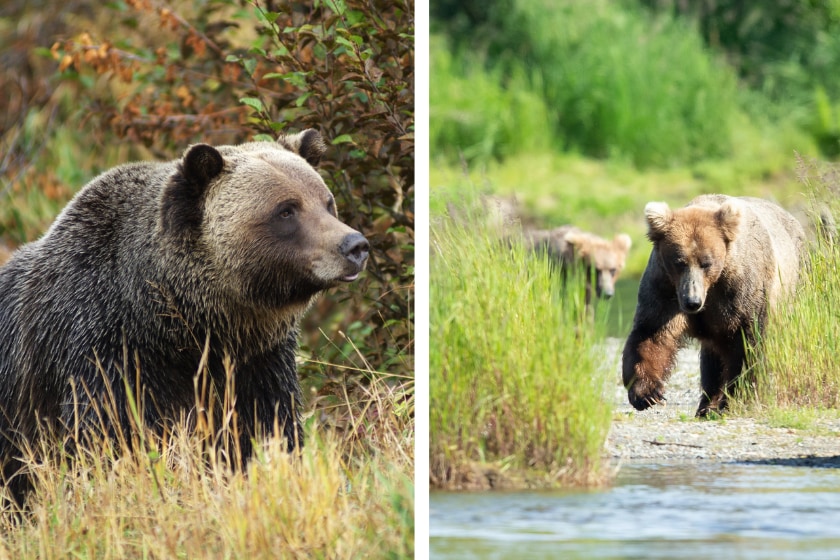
[[670, 511]]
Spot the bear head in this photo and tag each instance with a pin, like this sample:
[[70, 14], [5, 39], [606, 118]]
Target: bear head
[[604, 259], [692, 244], [261, 219]]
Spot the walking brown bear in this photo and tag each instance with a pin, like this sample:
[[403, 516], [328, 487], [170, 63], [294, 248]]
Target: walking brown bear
[[154, 270], [716, 267], [601, 260]]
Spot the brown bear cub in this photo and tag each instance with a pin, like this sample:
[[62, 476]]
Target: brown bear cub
[[602, 260], [156, 273], [716, 267]]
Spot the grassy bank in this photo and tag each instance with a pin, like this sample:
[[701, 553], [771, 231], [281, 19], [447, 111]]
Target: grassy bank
[[514, 381], [348, 494], [797, 361]]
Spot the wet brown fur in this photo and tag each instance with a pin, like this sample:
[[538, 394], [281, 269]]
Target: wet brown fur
[[716, 267]]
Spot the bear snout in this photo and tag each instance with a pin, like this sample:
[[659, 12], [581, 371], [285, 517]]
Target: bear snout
[[691, 304], [606, 288], [354, 247], [692, 293]]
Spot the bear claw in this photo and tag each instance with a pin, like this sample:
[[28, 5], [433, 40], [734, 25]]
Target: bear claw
[[643, 402]]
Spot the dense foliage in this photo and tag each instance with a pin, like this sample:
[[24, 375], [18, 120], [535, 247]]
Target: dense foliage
[[657, 82]]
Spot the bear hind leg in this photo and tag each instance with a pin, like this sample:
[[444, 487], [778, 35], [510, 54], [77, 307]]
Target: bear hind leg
[[711, 381], [718, 377]]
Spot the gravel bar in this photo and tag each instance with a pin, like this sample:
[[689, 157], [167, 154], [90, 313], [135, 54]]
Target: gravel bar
[[670, 433]]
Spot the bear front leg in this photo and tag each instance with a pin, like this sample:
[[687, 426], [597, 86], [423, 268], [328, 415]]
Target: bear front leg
[[648, 359]]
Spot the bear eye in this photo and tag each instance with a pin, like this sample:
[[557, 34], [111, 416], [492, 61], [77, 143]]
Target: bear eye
[[706, 264], [331, 206], [285, 212]]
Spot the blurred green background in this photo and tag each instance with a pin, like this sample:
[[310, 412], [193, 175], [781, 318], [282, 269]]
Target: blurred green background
[[585, 111]]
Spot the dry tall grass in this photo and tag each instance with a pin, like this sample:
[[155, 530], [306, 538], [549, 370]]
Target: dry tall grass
[[347, 494]]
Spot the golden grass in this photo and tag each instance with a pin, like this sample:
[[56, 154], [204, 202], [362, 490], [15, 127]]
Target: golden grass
[[346, 494]]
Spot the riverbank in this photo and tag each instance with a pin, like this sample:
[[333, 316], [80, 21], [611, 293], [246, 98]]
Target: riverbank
[[671, 433]]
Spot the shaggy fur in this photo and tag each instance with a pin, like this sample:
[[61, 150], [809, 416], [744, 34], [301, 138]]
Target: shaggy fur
[[716, 268], [155, 269]]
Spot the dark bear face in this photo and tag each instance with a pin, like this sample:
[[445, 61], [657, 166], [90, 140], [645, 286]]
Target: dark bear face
[[269, 224], [692, 244]]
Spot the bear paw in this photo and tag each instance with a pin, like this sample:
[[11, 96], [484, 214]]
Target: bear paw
[[643, 395]]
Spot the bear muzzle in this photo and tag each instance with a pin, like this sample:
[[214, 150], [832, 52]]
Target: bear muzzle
[[605, 287], [692, 293], [355, 249]]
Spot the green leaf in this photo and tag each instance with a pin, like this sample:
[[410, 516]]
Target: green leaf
[[250, 64], [302, 99], [253, 102], [342, 139], [263, 138], [337, 6], [346, 42]]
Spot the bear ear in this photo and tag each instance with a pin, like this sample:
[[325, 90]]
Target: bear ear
[[729, 219], [308, 144], [658, 216], [622, 242], [577, 239], [572, 238], [201, 164], [182, 203]]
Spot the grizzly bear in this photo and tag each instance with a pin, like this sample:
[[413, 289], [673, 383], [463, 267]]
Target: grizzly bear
[[158, 273], [716, 267], [599, 259]]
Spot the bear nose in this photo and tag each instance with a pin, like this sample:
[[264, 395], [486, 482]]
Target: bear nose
[[354, 247], [692, 304]]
